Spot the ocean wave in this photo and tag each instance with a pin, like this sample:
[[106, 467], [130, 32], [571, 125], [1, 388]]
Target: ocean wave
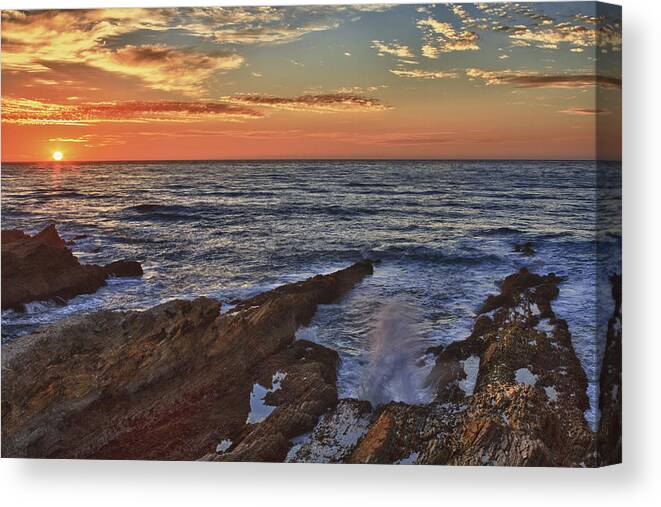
[[163, 212]]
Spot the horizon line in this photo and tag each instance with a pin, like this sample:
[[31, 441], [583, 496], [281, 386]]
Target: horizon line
[[319, 159]]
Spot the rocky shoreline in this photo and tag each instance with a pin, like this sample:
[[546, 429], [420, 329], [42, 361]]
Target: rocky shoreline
[[42, 267], [183, 381]]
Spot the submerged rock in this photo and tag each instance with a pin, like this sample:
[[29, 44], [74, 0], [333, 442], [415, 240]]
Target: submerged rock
[[41, 267], [525, 248], [173, 382]]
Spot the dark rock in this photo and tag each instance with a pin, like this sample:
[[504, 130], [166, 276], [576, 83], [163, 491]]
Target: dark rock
[[336, 434], [526, 408], [10, 235], [408, 434], [609, 434], [525, 248], [174, 381], [41, 267], [513, 393], [124, 268]]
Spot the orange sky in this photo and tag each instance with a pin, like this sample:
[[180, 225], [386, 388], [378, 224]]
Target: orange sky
[[443, 81]]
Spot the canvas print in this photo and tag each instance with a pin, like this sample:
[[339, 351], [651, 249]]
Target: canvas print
[[384, 234]]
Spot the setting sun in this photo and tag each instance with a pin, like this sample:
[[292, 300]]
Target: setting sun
[[57, 155]]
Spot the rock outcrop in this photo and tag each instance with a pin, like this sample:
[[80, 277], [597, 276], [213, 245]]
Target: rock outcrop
[[41, 267], [178, 381], [512, 393], [609, 434], [183, 381]]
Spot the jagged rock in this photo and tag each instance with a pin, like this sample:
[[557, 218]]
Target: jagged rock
[[172, 382], [529, 393], [512, 393], [407, 434], [609, 434], [41, 267], [307, 390], [335, 435]]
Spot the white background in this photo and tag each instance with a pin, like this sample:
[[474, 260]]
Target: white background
[[73, 483]]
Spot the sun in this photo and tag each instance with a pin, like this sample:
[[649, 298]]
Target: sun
[[57, 155]]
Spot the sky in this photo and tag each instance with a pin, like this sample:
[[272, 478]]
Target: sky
[[427, 81]]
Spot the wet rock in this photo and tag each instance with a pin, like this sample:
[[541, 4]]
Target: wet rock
[[408, 434], [11, 235], [307, 390], [525, 248], [124, 268], [530, 390], [336, 434], [511, 393], [609, 434], [41, 267], [172, 382]]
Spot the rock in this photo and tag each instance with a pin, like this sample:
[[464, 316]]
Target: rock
[[124, 268], [11, 235], [513, 393], [307, 391], [336, 434], [41, 267], [609, 434], [525, 248], [172, 382], [407, 434], [529, 394]]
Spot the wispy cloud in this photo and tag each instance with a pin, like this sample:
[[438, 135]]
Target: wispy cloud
[[393, 48], [34, 112], [526, 79], [442, 37], [424, 74], [329, 102], [38, 41], [585, 111]]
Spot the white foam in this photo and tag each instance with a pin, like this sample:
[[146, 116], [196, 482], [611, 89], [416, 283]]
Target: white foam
[[471, 367], [259, 410], [309, 333], [535, 309], [334, 436], [409, 460], [545, 326], [297, 442], [224, 445], [551, 393], [226, 307], [525, 376]]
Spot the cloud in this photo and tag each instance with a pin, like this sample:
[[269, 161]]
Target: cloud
[[166, 68], [576, 35], [442, 37], [34, 112], [526, 79], [394, 49], [329, 102], [67, 35], [37, 41], [430, 51], [584, 111], [93, 140], [424, 74], [261, 34]]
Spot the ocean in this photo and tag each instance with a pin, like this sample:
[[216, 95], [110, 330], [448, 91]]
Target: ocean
[[442, 231]]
